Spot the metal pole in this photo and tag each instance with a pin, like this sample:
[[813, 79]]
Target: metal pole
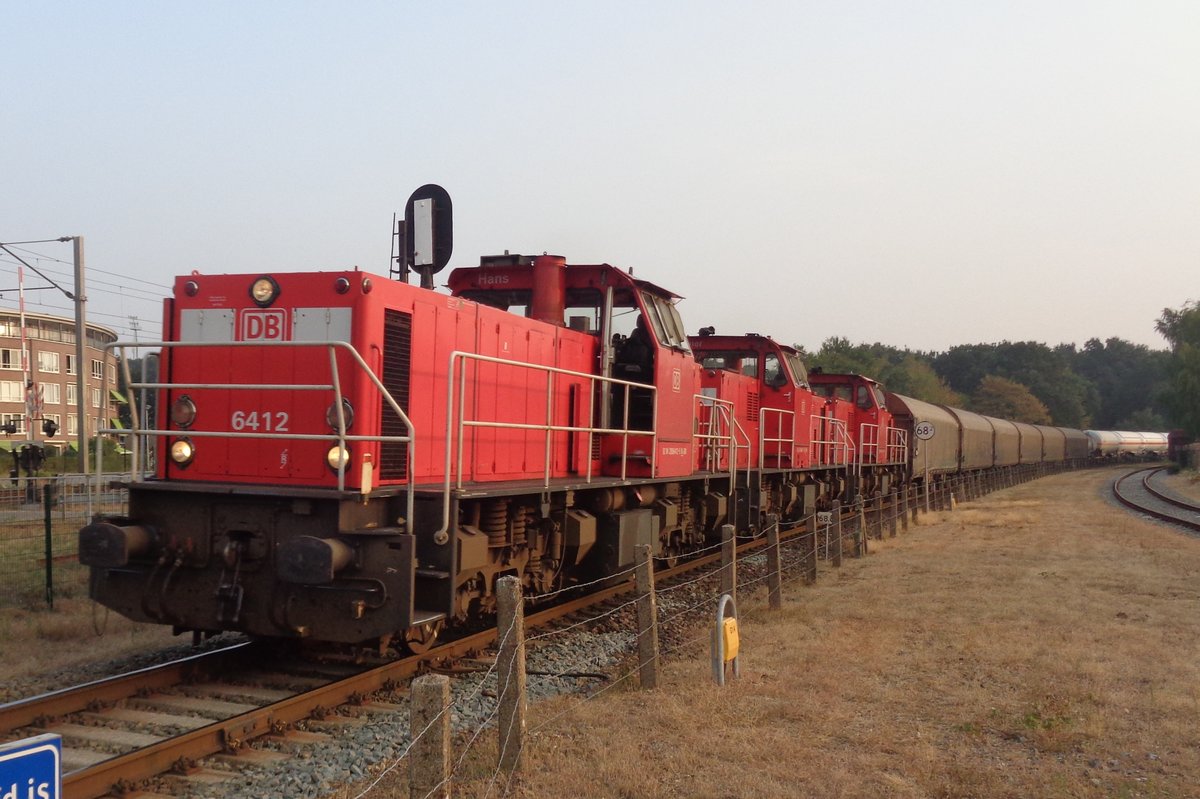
[[81, 365]]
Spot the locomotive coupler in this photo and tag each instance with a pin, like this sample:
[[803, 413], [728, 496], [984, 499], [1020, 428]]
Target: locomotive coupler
[[230, 595]]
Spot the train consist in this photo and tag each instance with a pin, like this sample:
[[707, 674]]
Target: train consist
[[348, 457]]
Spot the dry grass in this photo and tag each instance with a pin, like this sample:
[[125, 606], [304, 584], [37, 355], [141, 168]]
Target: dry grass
[[1039, 642], [38, 641], [1185, 483]]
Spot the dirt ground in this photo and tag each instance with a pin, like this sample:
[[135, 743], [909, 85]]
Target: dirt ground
[[1041, 642]]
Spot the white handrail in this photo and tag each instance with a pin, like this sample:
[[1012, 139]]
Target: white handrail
[[339, 435]]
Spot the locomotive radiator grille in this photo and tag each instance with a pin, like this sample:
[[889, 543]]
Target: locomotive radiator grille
[[397, 358]]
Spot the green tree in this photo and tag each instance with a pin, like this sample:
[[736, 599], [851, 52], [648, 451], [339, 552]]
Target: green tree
[[1181, 327], [1046, 373], [1007, 399], [1128, 378], [900, 370]]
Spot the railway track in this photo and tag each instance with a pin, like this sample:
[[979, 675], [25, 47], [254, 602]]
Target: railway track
[[121, 731], [1136, 490]]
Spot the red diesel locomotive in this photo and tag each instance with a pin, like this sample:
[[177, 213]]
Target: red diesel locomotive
[[347, 457]]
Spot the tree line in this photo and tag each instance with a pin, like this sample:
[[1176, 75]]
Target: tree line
[[1105, 385]]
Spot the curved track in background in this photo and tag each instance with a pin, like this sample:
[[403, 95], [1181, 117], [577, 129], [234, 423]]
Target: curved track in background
[[1135, 490]]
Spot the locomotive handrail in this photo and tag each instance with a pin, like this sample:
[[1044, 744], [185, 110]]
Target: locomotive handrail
[[339, 435], [897, 446], [725, 413], [763, 440], [839, 445], [549, 427]]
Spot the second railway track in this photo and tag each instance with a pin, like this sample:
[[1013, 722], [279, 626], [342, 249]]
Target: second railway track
[[1137, 491]]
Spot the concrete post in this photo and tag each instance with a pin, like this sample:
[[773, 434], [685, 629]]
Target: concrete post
[[429, 727], [894, 515], [647, 618], [774, 595], [728, 561], [810, 551], [837, 534], [510, 673]]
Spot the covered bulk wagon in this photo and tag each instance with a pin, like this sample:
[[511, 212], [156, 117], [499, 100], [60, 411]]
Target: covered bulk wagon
[[939, 453], [1077, 443], [1007, 442], [1031, 443], [1054, 444], [975, 440]]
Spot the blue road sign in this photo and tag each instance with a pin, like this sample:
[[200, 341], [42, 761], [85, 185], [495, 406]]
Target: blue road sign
[[32, 768]]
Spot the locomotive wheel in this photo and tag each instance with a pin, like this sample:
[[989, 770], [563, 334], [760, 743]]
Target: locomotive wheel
[[419, 638], [669, 557]]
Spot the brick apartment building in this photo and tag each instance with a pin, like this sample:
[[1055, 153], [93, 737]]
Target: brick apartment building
[[52, 369]]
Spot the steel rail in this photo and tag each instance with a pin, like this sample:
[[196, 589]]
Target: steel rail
[[77, 698]]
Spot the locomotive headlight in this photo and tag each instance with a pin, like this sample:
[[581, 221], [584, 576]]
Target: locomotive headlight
[[338, 457], [264, 291], [182, 451], [183, 412], [347, 414]]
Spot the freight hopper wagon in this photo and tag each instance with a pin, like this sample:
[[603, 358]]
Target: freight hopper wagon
[[352, 458]]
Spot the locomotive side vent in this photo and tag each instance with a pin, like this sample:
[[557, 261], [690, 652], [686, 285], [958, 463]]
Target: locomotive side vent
[[752, 405], [397, 359]]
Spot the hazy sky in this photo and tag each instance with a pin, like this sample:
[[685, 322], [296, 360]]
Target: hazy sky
[[921, 174]]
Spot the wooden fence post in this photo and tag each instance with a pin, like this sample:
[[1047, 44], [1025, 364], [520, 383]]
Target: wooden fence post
[[429, 728], [774, 596], [836, 520], [905, 492], [510, 673], [647, 617]]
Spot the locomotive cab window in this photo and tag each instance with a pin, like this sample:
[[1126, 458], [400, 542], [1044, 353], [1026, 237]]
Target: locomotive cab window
[[774, 373], [864, 398]]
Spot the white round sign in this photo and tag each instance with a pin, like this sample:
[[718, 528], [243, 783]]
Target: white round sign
[[924, 430]]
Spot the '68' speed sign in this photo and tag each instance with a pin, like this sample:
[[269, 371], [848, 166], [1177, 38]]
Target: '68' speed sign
[[924, 430]]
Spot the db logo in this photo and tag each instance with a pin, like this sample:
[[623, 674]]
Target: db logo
[[263, 326]]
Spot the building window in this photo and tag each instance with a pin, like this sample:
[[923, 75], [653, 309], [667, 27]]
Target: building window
[[10, 359], [52, 393], [72, 394], [14, 418], [48, 362], [72, 424], [12, 391], [97, 369], [95, 398], [70, 364], [112, 373]]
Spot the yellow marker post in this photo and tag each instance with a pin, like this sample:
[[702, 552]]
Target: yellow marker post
[[725, 642]]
